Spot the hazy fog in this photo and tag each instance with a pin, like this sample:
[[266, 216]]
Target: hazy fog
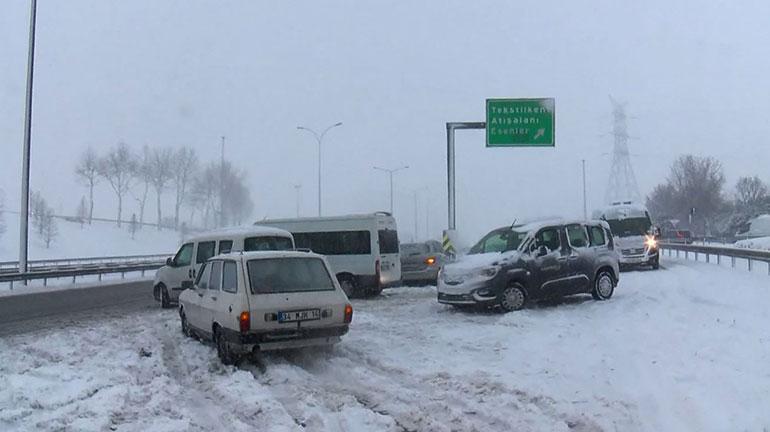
[[186, 72]]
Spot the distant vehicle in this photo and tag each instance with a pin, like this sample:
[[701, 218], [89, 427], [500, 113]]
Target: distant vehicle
[[421, 262], [517, 264], [362, 249], [262, 301], [677, 236], [180, 271], [635, 236]]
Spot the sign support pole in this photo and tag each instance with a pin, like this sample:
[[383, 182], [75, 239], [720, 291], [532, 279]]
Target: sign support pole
[[450, 162]]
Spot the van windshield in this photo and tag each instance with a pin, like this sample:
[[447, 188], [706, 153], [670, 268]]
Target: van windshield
[[269, 243], [284, 275], [630, 227], [499, 240]]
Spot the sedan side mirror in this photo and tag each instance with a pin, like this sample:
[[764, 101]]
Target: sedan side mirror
[[169, 262], [542, 251]]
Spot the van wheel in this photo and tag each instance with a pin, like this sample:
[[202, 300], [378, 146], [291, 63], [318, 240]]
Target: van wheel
[[513, 298], [656, 263], [224, 353], [165, 302], [604, 286], [348, 284]]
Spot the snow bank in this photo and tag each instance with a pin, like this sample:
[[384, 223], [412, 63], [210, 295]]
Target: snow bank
[[759, 243], [684, 348]]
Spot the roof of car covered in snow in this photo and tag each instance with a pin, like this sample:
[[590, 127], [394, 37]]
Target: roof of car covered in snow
[[621, 211], [538, 224]]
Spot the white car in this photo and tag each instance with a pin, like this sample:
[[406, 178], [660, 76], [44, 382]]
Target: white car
[[261, 301]]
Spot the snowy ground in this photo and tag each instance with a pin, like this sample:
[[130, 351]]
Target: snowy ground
[[99, 239], [685, 348], [762, 243]]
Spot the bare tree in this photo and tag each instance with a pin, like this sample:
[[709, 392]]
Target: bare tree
[[693, 183], [118, 168], [143, 176], [133, 226], [81, 213], [50, 229], [87, 171], [38, 208], [161, 166], [185, 164], [751, 192], [221, 191]]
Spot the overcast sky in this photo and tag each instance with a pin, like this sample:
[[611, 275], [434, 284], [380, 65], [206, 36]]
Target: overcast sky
[[694, 75]]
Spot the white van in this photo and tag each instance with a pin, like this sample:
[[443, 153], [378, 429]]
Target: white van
[[362, 249], [180, 271], [636, 240]]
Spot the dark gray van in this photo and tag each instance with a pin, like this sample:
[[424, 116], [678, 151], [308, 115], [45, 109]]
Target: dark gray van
[[517, 264]]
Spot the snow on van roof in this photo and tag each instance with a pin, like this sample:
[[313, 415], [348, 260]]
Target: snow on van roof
[[269, 254], [256, 230], [538, 224], [621, 210], [327, 218]]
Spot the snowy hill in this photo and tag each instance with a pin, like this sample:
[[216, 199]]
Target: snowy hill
[[760, 243], [99, 239]]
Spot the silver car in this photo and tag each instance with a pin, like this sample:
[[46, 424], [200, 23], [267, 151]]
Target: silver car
[[421, 262]]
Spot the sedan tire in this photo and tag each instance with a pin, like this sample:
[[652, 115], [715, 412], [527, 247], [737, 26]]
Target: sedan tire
[[224, 353]]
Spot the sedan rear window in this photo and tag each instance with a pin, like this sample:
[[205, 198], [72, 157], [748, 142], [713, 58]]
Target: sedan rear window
[[282, 275]]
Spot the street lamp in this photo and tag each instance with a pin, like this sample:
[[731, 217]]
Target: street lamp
[[297, 188], [319, 138], [391, 171], [24, 210]]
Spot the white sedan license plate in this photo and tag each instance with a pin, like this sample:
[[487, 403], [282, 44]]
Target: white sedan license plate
[[303, 315]]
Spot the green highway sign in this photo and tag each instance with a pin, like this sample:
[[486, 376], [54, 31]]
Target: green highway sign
[[521, 122]]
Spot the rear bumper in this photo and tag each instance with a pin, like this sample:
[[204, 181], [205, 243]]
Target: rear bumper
[[284, 339], [430, 274]]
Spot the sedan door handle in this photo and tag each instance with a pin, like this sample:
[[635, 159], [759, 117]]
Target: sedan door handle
[[213, 298]]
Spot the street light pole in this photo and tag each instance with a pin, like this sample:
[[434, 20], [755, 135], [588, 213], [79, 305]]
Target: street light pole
[[297, 188], [585, 206], [24, 210], [390, 172], [319, 139]]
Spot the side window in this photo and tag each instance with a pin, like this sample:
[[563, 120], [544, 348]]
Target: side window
[[184, 256], [216, 276], [230, 277], [205, 251], [577, 236], [203, 277], [225, 246], [597, 236], [549, 238]]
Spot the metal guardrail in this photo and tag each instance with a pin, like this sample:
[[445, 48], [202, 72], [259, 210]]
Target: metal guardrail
[[78, 267], [750, 255]]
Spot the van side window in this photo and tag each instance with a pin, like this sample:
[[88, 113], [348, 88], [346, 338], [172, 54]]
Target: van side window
[[205, 251], [549, 238], [271, 243], [203, 277], [577, 236], [216, 276], [336, 242], [230, 277], [597, 236], [184, 256], [225, 246]]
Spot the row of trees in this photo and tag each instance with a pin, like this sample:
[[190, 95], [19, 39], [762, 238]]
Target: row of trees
[[694, 194], [42, 219], [216, 189]]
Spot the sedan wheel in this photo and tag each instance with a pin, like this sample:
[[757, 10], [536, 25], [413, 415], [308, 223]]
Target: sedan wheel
[[223, 350], [165, 302], [185, 325], [604, 286], [348, 285], [513, 298]]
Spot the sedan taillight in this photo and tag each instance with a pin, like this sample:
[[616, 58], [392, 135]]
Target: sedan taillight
[[348, 313], [245, 321], [430, 261]]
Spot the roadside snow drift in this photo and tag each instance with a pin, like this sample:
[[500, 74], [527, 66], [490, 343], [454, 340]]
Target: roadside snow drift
[[684, 348]]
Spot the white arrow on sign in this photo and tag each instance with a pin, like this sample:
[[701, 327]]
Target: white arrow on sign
[[539, 133]]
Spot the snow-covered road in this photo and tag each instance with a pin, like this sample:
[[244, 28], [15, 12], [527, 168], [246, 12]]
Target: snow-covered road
[[685, 348]]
